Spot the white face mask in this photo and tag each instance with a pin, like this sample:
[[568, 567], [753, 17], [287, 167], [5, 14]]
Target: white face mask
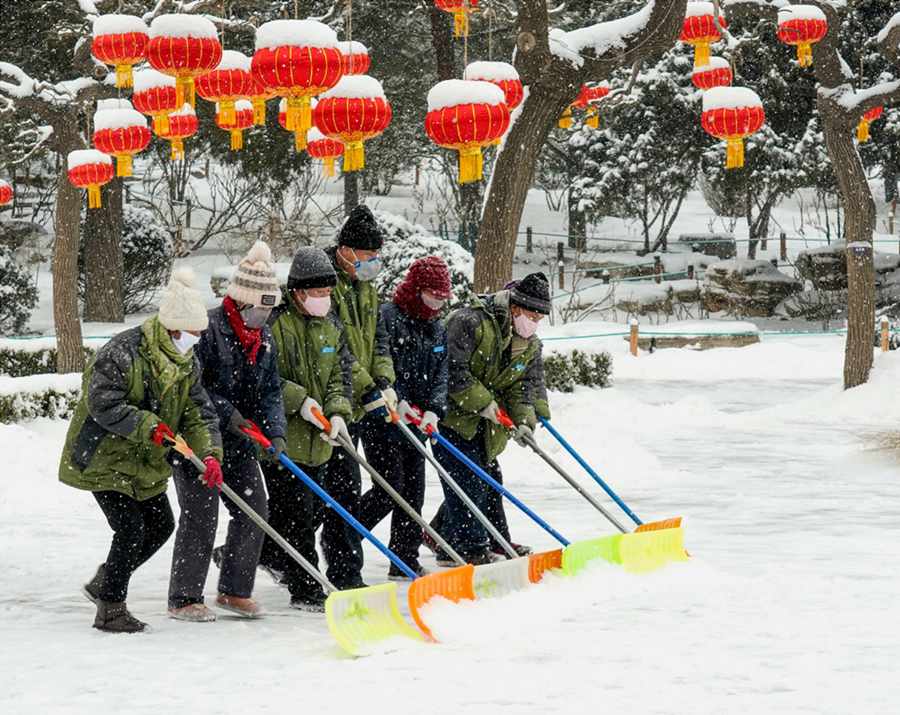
[[525, 326], [185, 341], [317, 307], [433, 303], [255, 318]]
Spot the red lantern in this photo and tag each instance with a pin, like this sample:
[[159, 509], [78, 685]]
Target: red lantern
[[862, 131], [155, 96], [352, 112], [259, 95], [183, 46], [466, 115], [182, 125], [227, 83], [699, 29], [243, 119], [354, 57], [318, 146], [716, 74], [587, 100], [297, 59], [502, 74], [6, 192], [121, 131], [90, 169], [802, 25], [732, 113], [460, 10], [120, 41]]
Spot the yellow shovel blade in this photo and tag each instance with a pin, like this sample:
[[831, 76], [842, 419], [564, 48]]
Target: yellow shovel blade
[[672, 523], [649, 550], [500, 578], [360, 617]]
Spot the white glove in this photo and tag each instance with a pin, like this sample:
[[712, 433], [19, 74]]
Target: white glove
[[524, 435], [429, 419], [406, 413], [490, 413], [390, 398], [338, 429], [306, 411]]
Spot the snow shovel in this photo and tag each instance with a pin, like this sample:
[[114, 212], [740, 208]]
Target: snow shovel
[[356, 617]]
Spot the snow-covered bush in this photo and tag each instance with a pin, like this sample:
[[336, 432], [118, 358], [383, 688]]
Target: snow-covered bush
[[18, 293], [563, 371], [148, 253], [53, 396], [24, 363]]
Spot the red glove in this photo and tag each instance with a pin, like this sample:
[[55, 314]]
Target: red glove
[[212, 477], [161, 434]]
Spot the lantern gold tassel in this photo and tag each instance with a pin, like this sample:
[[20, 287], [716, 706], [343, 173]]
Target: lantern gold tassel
[[161, 124], [299, 140], [734, 155], [804, 54], [328, 167], [184, 91], [565, 121], [461, 23], [701, 54], [227, 113], [237, 140], [177, 149], [124, 76], [354, 156], [593, 118], [862, 131], [471, 165], [94, 196], [123, 165], [259, 111]]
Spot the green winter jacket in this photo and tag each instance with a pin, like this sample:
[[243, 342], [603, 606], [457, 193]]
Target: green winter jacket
[[313, 361], [487, 362], [137, 380], [356, 304]]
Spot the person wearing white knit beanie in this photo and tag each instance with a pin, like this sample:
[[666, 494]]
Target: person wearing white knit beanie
[[182, 311]]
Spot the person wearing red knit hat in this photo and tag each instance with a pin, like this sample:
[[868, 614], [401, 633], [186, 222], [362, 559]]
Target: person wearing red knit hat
[[418, 343]]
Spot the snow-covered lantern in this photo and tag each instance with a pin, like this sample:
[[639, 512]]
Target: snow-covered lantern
[[716, 74], [460, 10], [326, 149], [90, 169], [120, 131], [803, 26], [732, 114], [353, 111], [588, 99], [120, 41], [6, 192], [242, 119], [183, 46], [181, 125], [862, 130], [354, 57], [700, 30], [297, 59], [503, 74], [155, 96], [466, 115], [227, 83]]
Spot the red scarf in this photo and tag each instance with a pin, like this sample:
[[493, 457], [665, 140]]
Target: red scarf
[[251, 340]]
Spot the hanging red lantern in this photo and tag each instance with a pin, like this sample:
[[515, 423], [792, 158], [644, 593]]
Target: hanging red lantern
[[6, 192], [243, 119], [352, 112], [803, 26], [120, 131], [259, 95], [732, 113], [503, 74], [155, 96], [460, 10], [299, 137], [227, 83], [90, 169], [700, 30], [183, 46], [318, 146], [716, 74], [120, 41], [466, 115], [297, 59], [588, 99], [862, 131], [354, 57], [182, 125]]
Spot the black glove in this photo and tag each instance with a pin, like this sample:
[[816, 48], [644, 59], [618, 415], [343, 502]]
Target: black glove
[[279, 445], [236, 422]]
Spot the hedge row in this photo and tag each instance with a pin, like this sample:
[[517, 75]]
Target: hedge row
[[23, 363], [563, 371], [21, 406]]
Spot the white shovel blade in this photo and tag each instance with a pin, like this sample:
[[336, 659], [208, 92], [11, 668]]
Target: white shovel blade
[[498, 579]]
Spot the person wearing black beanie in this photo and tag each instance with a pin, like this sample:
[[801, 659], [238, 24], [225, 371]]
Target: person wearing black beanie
[[495, 366]]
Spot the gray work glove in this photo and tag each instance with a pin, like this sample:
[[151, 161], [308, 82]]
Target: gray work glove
[[236, 422], [490, 413]]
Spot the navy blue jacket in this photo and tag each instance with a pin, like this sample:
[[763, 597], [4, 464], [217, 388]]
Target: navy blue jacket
[[232, 383]]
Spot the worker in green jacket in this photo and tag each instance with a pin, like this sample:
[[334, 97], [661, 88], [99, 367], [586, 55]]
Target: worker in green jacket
[[495, 364], [142, 388], [314, 367]]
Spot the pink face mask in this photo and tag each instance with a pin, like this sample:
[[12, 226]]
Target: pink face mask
[[317, 307], [525, 326], [433, 303]]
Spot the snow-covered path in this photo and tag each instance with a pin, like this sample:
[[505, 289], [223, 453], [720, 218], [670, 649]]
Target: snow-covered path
[[789, 604]]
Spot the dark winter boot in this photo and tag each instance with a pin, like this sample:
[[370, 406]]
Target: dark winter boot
[[520, 549], [91, 589], [313, 602], [395, 574], [115, 618]]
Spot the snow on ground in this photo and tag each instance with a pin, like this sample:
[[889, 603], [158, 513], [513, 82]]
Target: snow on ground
[[787, 606]]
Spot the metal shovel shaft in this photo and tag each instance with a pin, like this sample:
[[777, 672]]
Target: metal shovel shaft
[[451, 482]]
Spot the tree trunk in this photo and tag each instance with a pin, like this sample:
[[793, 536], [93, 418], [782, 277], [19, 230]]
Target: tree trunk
[[470, 211], [577, 223], [104, 291], [351, 191], [441, 41], [859, 223], [70, 354], [513, 174]]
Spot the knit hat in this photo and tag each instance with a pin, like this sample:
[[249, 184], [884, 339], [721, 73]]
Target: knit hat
[[311, 268], [426, 274], [532, 293], [181, 306], [361, 230], [254, 281]]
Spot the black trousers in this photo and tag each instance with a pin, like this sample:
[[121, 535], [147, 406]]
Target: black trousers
[[140, 528], [404, 469]]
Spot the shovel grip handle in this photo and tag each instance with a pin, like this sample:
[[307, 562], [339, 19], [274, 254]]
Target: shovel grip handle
[[323, 420], [256, 434], [505, 419]]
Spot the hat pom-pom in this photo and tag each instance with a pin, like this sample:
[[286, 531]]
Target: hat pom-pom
[[259, 253], [184, 276]]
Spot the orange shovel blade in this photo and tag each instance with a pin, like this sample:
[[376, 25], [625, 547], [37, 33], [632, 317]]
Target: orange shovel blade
[[672, 523], [544, 561], [454, 584]]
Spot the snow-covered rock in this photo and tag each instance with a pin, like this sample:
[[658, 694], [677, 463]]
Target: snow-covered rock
[[744, 287]]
